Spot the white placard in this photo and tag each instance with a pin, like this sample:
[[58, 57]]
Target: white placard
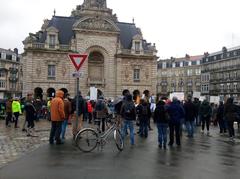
[[196, 94], [214, 99], [179, 95], [202, 98], [93, 93]]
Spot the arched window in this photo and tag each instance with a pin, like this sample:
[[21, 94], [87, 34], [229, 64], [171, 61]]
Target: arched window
[[96, 67]]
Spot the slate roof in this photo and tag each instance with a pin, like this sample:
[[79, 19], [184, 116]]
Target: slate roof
[[127, 32], [65, 24]]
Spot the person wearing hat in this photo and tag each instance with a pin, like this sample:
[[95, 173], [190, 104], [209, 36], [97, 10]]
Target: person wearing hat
[[16, 109]]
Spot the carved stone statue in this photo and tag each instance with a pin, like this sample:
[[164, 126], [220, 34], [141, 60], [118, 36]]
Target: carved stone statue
[[95, 4]]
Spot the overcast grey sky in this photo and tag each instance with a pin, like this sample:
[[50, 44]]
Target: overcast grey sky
[[176, 26]]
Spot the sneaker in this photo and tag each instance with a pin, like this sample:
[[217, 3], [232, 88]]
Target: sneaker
[[202, 131], [208, 133], [164, 147], [24, 130], [160, 146]]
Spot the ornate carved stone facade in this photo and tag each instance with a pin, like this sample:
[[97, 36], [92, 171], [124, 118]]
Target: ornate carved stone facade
[[119, 57]]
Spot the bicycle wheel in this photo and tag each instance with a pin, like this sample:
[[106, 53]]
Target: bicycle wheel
[[118, 139], [87, 140]]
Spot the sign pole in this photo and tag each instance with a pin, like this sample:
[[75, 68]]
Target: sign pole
[[77, 105], [77, 60]]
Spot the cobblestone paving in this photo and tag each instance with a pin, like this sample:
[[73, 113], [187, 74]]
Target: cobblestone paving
[[14, 143]]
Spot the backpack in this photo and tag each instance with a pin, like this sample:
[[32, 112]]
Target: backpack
[[144, 110], [100, 105], [128, 110]]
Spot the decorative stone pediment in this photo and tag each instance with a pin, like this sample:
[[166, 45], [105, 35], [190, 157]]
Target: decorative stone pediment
[[52, 29], [138, 37], [96, 23]]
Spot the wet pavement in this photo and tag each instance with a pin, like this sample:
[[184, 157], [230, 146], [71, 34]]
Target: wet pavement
[[203, 157], [14, 143]]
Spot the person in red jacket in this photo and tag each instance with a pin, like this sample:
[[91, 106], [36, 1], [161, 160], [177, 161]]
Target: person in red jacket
[[57, 117], [90, 111]]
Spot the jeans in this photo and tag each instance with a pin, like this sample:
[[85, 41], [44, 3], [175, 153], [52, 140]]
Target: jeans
[[162, 133], [16, 114], [128, 124], [174, 128], [55, 132], [222, 125], [231, 128], [143, 131], [207, 121], [8, 118], [190, 128], [64, 126]]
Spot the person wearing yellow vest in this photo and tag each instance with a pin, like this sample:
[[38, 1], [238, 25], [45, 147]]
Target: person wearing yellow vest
[[16, 109]]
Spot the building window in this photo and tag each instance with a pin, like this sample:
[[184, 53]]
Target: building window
[[52, 41], [2, 74], [136, 75], [198, 71], [51, 71], [137, 47], [181, 64], [228, 86], [222, 87], [2, 84], [13, 85], [235, 86], [164, 65], [9, 57], [189, 72]]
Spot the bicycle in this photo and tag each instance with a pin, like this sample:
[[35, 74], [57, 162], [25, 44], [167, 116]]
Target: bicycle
[[88, 139]]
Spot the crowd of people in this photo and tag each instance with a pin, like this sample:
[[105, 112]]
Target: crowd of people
[[168, 115]]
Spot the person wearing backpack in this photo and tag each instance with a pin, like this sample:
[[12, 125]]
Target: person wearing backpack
[[128, 112], [143, 114], [161, 118], [101, 112]]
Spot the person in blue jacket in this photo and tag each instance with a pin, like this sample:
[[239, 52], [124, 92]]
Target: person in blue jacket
[[176, 113]]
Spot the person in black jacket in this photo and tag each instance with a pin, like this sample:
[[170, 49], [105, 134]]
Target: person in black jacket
[[30, 113], [190, 114], [82, 109], [205, 113], [161, 118], [144, 114], [128, 111], [230, 112], [220, 118]]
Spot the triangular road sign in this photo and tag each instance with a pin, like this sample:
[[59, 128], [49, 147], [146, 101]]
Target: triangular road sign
[[78, 60]]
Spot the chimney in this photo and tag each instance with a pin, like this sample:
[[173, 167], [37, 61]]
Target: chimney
[[16, 51]]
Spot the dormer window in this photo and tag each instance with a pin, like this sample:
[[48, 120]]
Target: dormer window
[[52, 38], [52, 41], [137, 47]]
